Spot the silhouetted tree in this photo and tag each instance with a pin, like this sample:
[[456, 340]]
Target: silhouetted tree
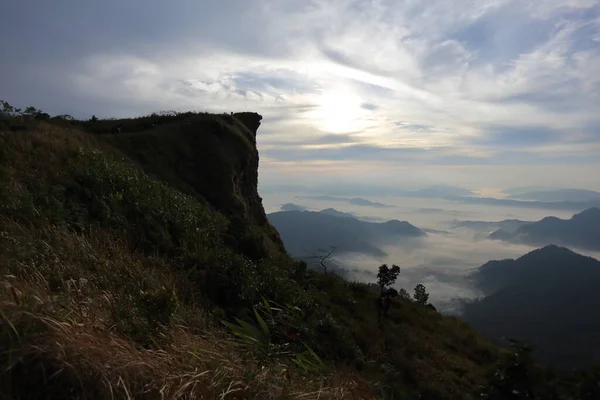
[[324, 257], [386, 277], [31, 112], [404, 294], [421, 296]]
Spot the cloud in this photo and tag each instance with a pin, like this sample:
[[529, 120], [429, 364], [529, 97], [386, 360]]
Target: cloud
[[402, 82]]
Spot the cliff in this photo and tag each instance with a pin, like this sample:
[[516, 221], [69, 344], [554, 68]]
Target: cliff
[[213, 157]]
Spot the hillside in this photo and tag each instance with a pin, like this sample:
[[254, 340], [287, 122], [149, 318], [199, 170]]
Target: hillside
[[305, 232], [582, 231], [548, 298], [136, 262]]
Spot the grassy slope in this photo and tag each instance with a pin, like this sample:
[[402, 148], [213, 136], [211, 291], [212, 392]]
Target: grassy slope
[[114, 282]]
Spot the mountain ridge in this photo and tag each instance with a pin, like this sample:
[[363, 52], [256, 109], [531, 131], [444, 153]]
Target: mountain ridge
[[305, 232], [582, 230], [533, 298], [558, 195]]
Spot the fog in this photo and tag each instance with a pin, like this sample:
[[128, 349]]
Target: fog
[[440, 261]]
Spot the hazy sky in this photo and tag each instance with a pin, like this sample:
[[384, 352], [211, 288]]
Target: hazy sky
[[479, 93]]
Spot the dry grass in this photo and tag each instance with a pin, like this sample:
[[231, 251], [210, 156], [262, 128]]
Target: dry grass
[[62, 296]]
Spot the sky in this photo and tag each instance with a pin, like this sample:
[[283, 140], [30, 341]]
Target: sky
[[484, 94]]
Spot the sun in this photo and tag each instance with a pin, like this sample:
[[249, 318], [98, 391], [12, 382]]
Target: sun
[[338, 111]]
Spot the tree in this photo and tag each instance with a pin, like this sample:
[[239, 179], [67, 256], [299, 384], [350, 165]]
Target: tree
[[404, 294], [324, 257], [421, 296], [31, 112], [386, 277], [7, 109]]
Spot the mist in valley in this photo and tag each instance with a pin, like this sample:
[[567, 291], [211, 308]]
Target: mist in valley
[[444, 259]]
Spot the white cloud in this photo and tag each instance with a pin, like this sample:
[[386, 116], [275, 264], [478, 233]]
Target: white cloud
[[437, 74]]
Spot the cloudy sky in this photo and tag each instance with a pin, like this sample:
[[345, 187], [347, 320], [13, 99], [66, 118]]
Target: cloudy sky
[[480, 93]]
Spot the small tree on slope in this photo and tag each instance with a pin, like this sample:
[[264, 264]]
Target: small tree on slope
[[421, 296], [386, 277]]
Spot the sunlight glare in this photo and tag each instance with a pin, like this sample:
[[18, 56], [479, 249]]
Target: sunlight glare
[[339, 111]]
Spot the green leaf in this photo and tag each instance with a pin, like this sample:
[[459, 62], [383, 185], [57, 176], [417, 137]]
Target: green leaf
[[263, 325], [267, 306]]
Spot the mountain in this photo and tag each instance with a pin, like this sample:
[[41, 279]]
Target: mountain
[[574, 195], [508, 225], [582, 231], [305, 232], [136, 261], [357, 201], [292, 207], [440, 191], [336, 213], [547, 205], [395, 228], [548, 298], [350, 190], [333, 211], [525, 189]]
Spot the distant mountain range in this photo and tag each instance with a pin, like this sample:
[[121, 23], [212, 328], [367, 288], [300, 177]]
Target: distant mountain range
[[581, 231], [305, 232], [336, 213], [525, 189], [357, 201], [292, 207], [508, 225], [547, 205], [365, 190], [439, 192], [562, 195], [548, 298]]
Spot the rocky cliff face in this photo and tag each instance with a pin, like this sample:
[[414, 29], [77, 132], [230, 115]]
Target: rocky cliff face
[[215, 158]]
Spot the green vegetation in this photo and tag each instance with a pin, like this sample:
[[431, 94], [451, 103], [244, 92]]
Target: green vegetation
[[140, 264]]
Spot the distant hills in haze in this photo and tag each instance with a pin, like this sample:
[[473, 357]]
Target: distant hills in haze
[[548, 298], [581, 231], [292, 207], [439, 192], [547, 205], [562, 195], [508, 225], [336, 213], [525, 197], [368, 190], [305, 232], [357, 201]]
